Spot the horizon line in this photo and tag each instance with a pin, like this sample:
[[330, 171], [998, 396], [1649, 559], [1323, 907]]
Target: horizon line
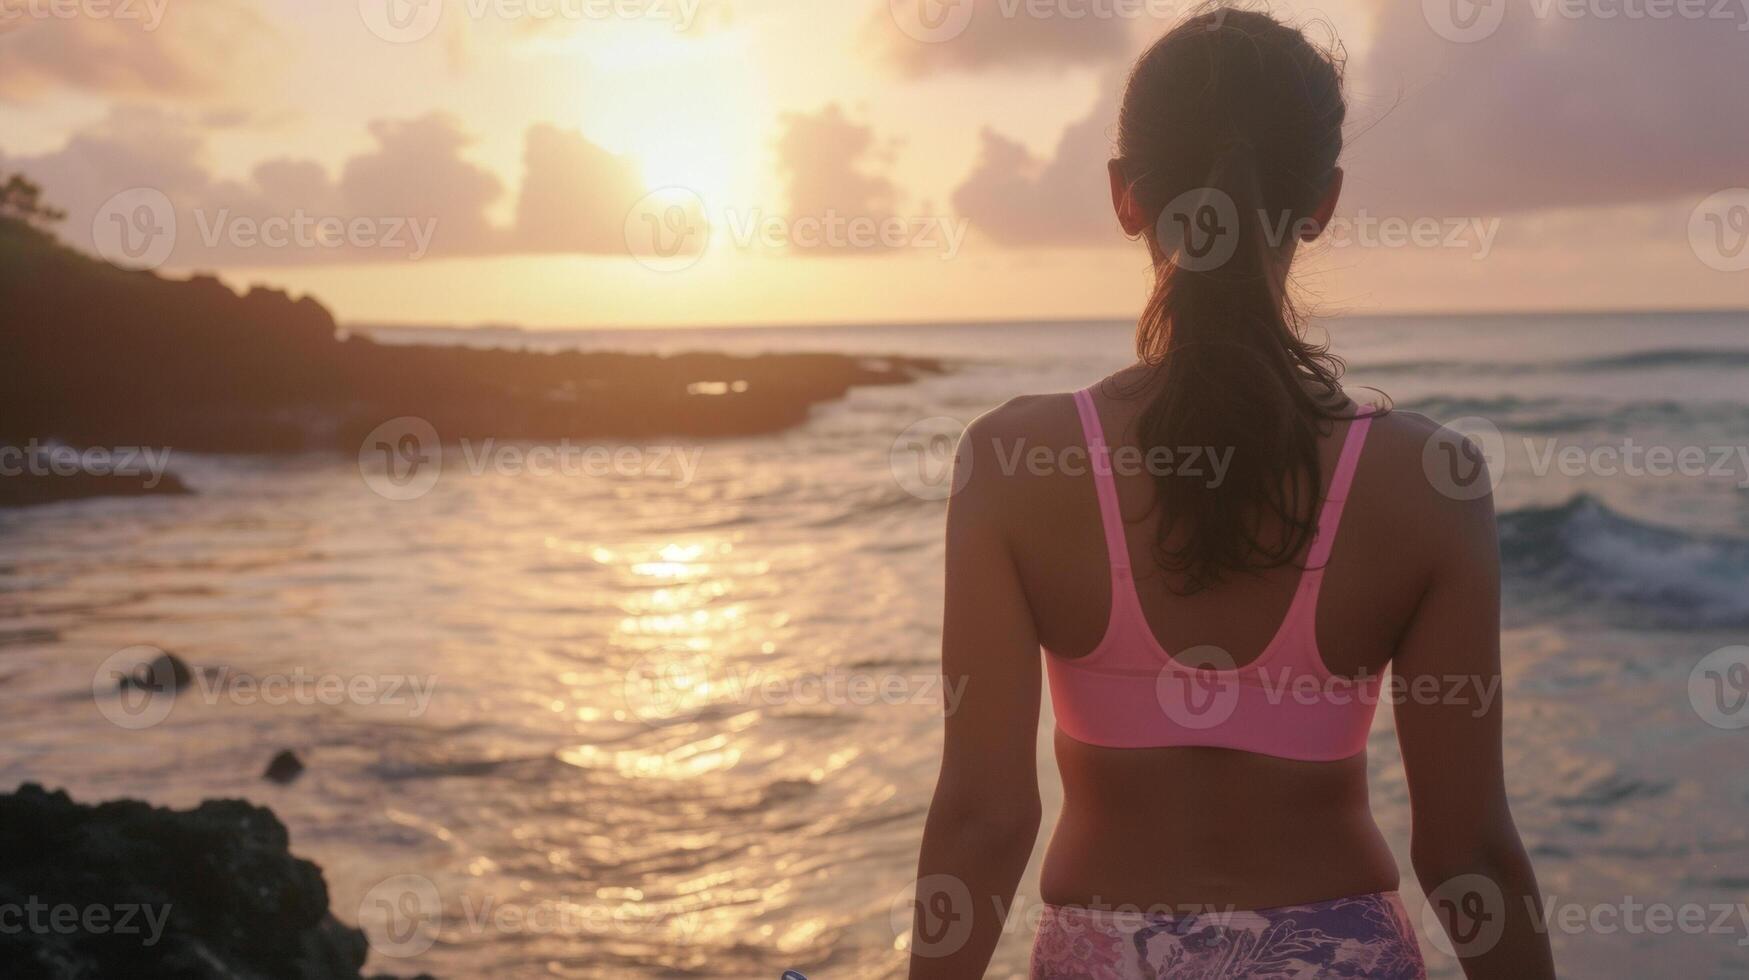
[[362, 325]]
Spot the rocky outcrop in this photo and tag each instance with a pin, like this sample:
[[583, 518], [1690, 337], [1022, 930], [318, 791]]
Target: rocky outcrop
[[125, 889], [24, 483], [98, 356]]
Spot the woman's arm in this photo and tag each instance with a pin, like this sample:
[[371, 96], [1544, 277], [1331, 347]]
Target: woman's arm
[[985, 814], [1466, 851]]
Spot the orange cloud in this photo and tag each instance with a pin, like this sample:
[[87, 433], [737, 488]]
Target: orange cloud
[[414, 194], [1532, 112], [1019, 199], [1540, 113], [924, 37], [829, 163], [841, 199], [145, 48], [575, 195]]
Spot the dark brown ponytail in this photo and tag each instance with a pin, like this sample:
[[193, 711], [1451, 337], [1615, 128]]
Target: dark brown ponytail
[[1228, 137]]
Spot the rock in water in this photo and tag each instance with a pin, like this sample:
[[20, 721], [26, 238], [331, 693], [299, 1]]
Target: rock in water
[[166, 671], [285, 767], [31, 486], [199, 894]]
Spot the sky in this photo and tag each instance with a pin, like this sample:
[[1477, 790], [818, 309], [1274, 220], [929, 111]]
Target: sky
[[576, 163]]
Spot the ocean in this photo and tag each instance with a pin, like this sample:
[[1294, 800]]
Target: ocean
[[678, 717]]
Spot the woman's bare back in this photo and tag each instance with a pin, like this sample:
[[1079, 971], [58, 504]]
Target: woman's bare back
[[1190, 826]]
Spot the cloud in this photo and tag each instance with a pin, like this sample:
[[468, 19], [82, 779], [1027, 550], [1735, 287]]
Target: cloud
[[1550, 111], [413, 194], [841, 199], [142, 48], [694, 18], [1545, 113], [575, 195], [1017, 198], [925, 37], [829, 161], [417, 171]]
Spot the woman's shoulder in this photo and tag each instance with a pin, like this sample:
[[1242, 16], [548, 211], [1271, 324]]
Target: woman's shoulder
[[1037, 416], [1395, 437], [1421, 472], [1026, 437], [1404, 441]]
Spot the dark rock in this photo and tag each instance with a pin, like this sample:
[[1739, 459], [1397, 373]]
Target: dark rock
[[30, 486], [164, 672], [262, 372], [285, 767], [210, 893]]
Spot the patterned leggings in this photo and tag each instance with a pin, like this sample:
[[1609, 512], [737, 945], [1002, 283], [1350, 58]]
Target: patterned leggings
[[1365, 936]]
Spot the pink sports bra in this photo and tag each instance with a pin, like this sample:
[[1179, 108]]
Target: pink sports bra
[[1130, 693]]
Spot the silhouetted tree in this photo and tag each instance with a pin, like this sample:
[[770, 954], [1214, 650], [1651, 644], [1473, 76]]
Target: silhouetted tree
[[20, 198]]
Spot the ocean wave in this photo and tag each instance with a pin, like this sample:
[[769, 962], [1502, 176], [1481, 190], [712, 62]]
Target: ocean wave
[[1647, 574], [1723, 358], [1417, 367], [1555, 415], [1727, 357], [862, 503]]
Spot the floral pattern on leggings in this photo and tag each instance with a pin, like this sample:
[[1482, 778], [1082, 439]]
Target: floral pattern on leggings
[[1366, 936]]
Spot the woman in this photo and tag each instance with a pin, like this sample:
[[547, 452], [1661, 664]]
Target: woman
[[1283, 543]]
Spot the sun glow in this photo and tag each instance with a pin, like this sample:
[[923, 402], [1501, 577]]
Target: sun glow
[[682, 107]]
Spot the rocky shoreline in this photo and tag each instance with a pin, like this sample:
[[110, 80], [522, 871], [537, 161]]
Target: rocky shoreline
[[126, 889], [102, 357], [38, 479]]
